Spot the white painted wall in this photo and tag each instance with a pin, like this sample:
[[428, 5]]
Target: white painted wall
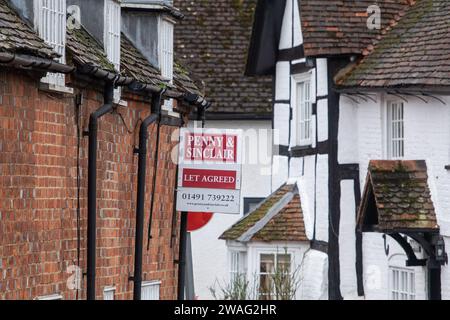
[[427, 137], [210, 253]]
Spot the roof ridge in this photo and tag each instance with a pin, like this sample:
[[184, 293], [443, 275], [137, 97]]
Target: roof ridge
[[271, 213]]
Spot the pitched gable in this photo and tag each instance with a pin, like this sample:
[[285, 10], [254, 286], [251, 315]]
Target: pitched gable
[[397, 198], [278, 218]]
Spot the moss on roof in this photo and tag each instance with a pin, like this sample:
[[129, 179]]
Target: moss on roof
[[286, 225], [17, 37], [412, 52], [86, 50], [402, 197]]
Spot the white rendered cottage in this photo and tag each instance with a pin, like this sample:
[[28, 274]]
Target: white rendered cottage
[[362, 114], [269, 240]]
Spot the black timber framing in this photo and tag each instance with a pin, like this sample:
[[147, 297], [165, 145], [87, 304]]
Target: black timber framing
[[321, 246], [300, 152], [290, 54], [351, 172], [334, 182], [280, 150], [299, 68]]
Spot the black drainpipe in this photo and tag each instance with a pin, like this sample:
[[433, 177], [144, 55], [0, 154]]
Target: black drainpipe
[[92, 186], [142, 166]]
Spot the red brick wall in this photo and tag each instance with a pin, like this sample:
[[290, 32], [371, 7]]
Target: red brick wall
[[38, 194]]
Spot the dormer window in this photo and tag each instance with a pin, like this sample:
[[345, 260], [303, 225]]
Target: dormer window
[[112, 36], [112, 32], [166, 53], [166, 49], [50, 23]]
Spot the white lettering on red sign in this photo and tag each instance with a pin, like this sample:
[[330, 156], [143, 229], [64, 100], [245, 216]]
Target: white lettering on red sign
[[210, 147]]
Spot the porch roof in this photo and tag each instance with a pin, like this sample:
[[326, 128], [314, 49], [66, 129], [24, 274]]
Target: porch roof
[[397, 198]]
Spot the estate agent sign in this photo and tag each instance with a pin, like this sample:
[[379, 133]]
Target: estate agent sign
[[209, 178]]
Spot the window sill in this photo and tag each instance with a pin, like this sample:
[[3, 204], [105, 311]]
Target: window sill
[[55, 88], [121, 103]]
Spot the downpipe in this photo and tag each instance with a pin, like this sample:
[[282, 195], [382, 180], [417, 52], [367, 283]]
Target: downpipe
[[92, 187], [142, 171]]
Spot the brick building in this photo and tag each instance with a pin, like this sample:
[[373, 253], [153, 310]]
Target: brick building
[[51, 81]]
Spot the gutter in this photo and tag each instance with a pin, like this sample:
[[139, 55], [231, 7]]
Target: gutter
[[92, 186], [26, 62], [142, 170], [197, 100], [107, 76]]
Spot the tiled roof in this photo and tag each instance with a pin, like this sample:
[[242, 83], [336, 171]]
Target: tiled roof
[[415, 53], [334, 27], [213, 40], [278, 218], [86, 50], [397, 198], [183, 80], [18, 37], [134, 64]]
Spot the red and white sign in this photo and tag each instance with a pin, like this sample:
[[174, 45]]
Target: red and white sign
[[209, 177], [210, 147]]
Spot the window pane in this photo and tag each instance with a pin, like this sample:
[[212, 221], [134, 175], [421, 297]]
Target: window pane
[[284, 262], [304, 112], [265, 287], [267, 263], [150, 291], [402, 284], [51, 27]]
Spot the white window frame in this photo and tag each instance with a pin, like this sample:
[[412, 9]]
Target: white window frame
[[55, 296], [303, 102], [148, 285], [398, 288], [112, 37], [275, 254], [395, 129], [51, 24], [237, 263], [166, 53], [107, 291]]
